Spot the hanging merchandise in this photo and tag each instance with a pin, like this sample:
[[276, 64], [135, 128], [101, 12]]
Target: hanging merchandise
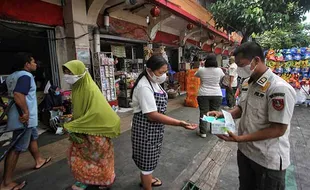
[[271, 55], [104, 76], [293, 66]]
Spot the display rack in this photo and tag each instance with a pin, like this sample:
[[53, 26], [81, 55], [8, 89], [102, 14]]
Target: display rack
[[132, 65], [104, 74]]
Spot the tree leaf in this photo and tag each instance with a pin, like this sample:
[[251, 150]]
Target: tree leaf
[[258, 15]]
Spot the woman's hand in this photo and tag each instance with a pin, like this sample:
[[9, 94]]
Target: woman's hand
[[188, 125]]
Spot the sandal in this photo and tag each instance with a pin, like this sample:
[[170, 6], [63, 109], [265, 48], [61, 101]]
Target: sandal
[[79, 185], [19, 186], [47, 160], [156, 183]]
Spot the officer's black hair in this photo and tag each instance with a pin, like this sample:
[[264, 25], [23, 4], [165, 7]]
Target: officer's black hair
[[154, 63], [249, 50]]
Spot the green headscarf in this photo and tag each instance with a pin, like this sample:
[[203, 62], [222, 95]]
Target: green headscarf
[[92, 114]]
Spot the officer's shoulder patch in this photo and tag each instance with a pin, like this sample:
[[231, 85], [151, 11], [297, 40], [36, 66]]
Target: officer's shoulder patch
[[265, 87], [278, 103]]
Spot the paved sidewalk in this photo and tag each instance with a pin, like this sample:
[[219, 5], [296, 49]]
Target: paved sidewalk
[[298, 174], [49, 142], [179, 149], [182, 152]]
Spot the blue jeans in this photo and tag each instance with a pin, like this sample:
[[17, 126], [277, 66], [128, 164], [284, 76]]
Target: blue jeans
[[22, 144]]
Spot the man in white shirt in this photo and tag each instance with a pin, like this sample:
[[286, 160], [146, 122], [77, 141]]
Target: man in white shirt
[[230, 82], [265, 113]]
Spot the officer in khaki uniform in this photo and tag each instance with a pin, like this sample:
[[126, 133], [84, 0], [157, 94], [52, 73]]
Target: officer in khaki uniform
[[265, 110]]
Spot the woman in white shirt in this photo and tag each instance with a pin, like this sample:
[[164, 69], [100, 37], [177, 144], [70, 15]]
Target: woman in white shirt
[[149, 103], [210, 93]]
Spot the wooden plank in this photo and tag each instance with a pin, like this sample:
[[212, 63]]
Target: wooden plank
[[205, 163], [200, 170], [207, 174], [212, 178]]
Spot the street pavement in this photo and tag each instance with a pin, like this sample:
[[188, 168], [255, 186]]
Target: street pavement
[[182, 155], [180, 148]]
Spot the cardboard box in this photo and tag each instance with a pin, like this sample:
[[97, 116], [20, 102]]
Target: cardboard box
[[221, 126]]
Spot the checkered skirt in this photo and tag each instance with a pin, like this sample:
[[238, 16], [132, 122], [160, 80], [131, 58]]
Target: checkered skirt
[[147, 137]]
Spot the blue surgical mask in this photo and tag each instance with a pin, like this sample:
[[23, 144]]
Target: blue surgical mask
[[57, 93]]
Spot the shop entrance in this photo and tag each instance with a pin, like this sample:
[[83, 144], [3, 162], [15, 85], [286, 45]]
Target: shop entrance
[[34, 39]]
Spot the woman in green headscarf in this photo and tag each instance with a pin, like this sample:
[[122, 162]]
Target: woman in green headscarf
[[91, 156]]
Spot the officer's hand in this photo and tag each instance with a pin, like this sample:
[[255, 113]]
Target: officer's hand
[[215, 114], [232, 137]]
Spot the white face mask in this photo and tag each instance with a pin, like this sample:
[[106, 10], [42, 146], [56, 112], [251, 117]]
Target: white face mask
[[71, 79], [245, 72], [158, 80]]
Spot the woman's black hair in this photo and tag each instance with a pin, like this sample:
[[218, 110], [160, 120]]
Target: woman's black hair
[[211, 61], [154, 63]]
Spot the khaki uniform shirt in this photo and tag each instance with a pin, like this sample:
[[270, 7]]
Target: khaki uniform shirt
[[268, 100]]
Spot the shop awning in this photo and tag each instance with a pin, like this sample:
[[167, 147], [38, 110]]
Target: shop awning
[[189, 17], [118, 38]]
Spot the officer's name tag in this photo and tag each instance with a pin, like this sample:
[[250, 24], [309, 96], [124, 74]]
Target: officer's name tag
[[261, 95]]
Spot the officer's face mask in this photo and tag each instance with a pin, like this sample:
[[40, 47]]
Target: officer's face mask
[[246, 72]]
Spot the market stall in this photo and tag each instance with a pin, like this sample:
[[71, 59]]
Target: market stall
[[293, 66]]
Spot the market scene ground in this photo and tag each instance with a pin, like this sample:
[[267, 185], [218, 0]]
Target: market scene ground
[[109, 44], [208, 162]]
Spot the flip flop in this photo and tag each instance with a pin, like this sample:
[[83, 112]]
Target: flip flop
[[79, 185], [16, 187], [47, 160], [154, 183]]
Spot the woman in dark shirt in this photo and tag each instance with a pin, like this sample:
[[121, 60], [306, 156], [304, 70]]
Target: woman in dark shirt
[[51, 102]]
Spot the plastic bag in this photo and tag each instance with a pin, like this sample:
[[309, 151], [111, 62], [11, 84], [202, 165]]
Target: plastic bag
[[300, 96]]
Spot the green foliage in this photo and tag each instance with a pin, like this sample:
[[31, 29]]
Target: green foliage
[[257, 16], [295, 36]]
